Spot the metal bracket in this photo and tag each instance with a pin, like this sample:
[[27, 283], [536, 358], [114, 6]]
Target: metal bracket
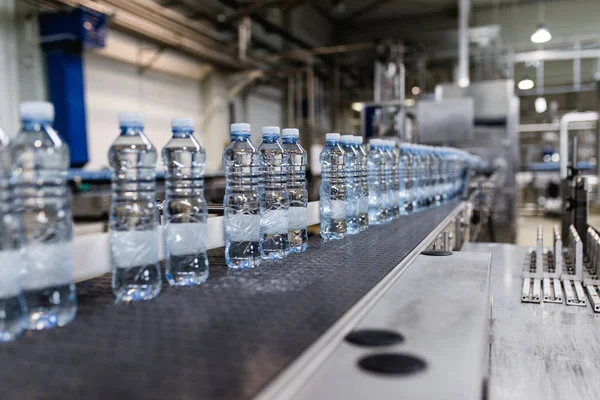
[[575, 269], [534, 272], [574, 293]]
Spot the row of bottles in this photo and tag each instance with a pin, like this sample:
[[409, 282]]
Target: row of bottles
[[266, 200], [361, 188], [134, 219]]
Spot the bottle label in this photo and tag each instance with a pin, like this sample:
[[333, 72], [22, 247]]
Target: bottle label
[[186, 239], [297, 218], [47, 265], [10, 280], [274, 221], [338, 209], [243, 227], [363, 205], [134, 248]]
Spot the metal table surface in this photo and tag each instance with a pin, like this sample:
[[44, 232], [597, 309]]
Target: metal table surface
[[538, 351], [441, 305], [226, 339]]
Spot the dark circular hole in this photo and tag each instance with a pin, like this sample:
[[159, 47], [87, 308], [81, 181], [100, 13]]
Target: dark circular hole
[[436, 253], [374, 337], [392, 364]]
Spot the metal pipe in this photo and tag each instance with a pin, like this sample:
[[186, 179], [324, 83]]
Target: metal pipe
[[463, 42], [567, 119]]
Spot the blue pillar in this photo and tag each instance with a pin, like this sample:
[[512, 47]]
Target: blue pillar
[[66, 90], [64, 35]]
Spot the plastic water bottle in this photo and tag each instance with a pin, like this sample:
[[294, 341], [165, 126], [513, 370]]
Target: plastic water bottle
[[420, 186], [377, 186], [185, 210], [351, 179], [332, 193], [363, 203], [430, 175], [274, 196], [405, 164], [41, 203], [296, 185], [13, 313], [394, 185], [241, 202], [134, 216]]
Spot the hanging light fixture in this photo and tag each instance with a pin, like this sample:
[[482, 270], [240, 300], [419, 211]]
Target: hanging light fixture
[[541, 35], [525, 84]]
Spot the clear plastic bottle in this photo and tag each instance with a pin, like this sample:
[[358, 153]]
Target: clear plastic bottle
[[13, 313], [431, 176], [394, 186], [134, 215], [332, 193], [363, 203], [185, 210], [241, 202], [296, 185], [274, 196], [352, 187], [377, 186], [421, 183], [405, 164], [41, 204]]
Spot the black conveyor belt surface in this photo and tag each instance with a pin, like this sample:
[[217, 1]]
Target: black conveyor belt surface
[[224, 340]]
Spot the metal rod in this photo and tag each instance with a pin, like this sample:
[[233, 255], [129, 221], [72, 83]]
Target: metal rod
[[565, 121], [463, 42]]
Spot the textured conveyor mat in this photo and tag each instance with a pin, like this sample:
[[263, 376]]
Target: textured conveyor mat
[[224, 340]]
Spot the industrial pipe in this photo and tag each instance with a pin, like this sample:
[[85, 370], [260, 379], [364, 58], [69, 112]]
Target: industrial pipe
[[567, 119]]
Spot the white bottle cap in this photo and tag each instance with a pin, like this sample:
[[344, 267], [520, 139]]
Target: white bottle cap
[[347, 139], [358, 139], [182, 123], [335, 137], [38, 111], [270, 131], [375, 142], [131, 119], [241, 129], [290, 133]]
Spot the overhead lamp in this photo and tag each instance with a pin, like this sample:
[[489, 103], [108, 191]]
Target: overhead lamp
[[357, 106], [541, 105], [541, 35], [525, 84], [415, 90]]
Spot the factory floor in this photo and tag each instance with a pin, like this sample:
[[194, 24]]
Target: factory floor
[[527, 228]]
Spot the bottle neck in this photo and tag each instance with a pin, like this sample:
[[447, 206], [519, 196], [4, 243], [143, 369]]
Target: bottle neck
[[240, 138], [331, 143], [289, 140], [29, 125], [182, 133], [270, 139], [131, 130]]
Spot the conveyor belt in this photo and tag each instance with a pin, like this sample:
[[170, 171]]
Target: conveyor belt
[[226, 339]]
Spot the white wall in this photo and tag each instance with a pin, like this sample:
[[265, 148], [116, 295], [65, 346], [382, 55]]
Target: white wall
[[21, 65], [264, 107], [112, 86]]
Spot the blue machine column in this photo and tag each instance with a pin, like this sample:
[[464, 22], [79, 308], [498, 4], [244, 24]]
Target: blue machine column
[[64, 36]]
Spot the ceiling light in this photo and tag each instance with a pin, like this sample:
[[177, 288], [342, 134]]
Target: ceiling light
[[541, 35], [415, 90], [409, 102], [357, 106], [540, 105], [525, 84]]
